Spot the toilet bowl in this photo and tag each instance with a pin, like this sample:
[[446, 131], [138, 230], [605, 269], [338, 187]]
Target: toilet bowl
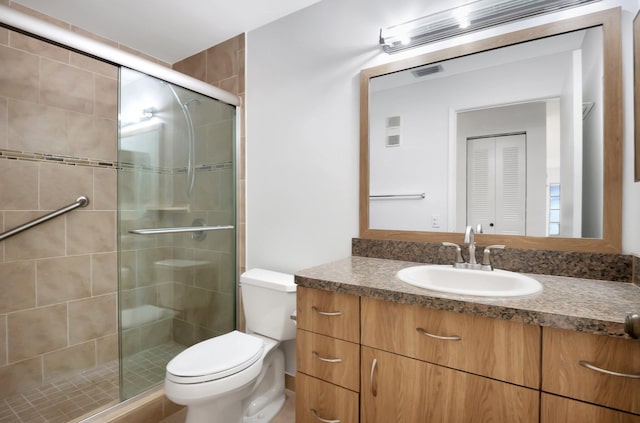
[[239, 377]]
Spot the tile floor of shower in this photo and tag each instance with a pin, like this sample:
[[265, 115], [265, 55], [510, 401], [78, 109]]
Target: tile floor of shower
[[68, 399]]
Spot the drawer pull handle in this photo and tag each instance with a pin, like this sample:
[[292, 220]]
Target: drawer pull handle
[[314, 413], [374, 385], [326, 360], [326, 313], [444, 338], [609, 372]]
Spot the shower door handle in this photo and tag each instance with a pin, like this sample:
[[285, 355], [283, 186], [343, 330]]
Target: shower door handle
[[157, 231]]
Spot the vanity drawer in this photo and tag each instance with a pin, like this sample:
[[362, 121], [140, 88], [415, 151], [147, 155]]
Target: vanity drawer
[[330, 359], [329, 313], [316, 400], [500, 349], [563, 373], [558, 409]]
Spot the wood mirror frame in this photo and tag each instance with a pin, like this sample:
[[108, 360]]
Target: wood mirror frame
[[611, 240]]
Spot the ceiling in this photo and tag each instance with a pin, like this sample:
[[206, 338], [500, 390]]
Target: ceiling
[[169, 30]]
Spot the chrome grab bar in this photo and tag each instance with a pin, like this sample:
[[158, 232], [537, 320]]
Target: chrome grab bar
[[157, 231], [81, 201]]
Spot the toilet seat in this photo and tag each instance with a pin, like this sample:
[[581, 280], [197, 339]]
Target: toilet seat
[[215, 358]]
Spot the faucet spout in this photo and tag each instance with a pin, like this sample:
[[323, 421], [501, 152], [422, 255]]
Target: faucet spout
[[469, 238]]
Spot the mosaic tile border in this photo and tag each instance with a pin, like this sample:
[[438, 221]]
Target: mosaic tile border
[[78, 161]]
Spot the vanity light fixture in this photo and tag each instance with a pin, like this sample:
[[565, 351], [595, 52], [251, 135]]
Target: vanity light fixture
[[474, 16]]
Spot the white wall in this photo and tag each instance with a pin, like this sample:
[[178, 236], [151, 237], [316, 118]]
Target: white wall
[[303, 118]]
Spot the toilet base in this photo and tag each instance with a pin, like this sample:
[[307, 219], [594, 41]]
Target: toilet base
[[256, 402]]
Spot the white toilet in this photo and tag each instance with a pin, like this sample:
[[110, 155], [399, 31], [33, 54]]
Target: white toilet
[[238, 377]]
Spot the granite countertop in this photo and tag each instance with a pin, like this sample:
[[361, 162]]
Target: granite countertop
[[584, 305]]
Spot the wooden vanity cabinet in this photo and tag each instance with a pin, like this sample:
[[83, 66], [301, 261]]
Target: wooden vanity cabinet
[[328, 356], [559, 409], [563, 374]]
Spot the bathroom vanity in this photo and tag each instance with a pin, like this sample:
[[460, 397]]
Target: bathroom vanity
[[371, 348]]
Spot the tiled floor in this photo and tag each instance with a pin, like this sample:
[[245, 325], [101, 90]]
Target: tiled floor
[[286, 415], [65, 400]]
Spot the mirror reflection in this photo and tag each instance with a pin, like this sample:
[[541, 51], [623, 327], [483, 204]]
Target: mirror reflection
[[510, 138]]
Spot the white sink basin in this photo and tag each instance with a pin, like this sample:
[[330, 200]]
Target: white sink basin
[[446, 278]]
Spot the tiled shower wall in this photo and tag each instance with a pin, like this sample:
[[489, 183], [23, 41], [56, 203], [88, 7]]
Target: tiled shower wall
[[58, 112]]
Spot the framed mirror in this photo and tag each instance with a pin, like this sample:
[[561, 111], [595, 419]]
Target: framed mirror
[[521, 133]]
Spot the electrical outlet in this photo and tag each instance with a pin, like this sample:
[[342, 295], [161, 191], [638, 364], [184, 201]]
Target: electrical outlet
[[435, 221]]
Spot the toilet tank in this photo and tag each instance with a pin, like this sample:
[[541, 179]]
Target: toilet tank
[[269, 300]]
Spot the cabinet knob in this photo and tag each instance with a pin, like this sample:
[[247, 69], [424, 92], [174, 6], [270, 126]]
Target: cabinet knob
[[632, 325]]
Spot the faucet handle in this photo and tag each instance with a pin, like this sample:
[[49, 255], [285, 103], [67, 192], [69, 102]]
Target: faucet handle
[[486, 256], [459, 261]]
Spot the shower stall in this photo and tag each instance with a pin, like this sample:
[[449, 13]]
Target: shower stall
[[99, 296], [176, 219]]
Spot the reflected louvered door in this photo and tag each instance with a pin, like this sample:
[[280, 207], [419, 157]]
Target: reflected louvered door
[[496, 184]]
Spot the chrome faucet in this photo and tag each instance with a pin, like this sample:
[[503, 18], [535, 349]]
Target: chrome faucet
[[469, 238]]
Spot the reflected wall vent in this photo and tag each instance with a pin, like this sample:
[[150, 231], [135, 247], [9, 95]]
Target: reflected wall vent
[[429, 70], [393, 131]]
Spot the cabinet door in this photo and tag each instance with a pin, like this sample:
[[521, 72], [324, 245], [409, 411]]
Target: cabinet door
[[329, 313], [557, 409], [403, 390], [318, 401], [568, 354]]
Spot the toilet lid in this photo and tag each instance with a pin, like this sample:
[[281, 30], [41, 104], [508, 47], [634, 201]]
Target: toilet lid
[[217, 357]]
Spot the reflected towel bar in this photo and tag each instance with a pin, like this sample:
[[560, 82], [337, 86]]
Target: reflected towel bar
[[81, 201], [420, 196], [158, 231]]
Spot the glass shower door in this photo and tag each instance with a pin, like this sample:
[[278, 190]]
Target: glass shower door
[[176, 160]]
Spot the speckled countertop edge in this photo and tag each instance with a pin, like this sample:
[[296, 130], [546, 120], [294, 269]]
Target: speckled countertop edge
[[583, 305]]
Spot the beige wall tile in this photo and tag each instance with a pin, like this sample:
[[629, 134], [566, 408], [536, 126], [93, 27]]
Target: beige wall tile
[[92, 318], [42, 241], [3, 340], [156, 333], [222, 60], [195, 66], [62, 184], [4, 122], [92, 137], [36, 331], [18, 74], [231, 84], [19, 187], [104, 273], [69, 360], [91, 232], [107, 349], [17, 284], [94, 65], [128, 269], [106, 97], [4, 36], [37, 128], [38, 47], [20, 376], [105, 189], [66, 86], [62, 279]]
